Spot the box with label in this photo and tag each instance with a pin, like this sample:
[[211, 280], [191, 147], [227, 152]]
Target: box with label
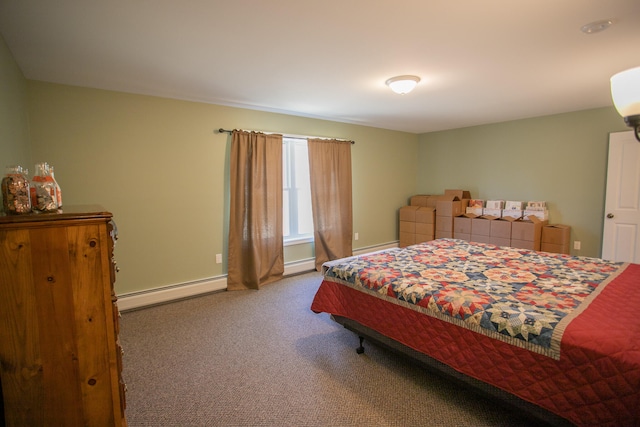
[[495, 213], [500, 229], [512, 214], [536, 206], [408, 213], [512, 205], [476, 203], [426, 215], [474, 211], [481, 226], [494, 204], [541, 215], [462, 225]]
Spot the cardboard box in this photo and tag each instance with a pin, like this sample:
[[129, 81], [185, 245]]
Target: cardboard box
[[557, 234], [462, 224], [499, 241], [481, 227], [500, 229], [512, 205], [444, 223], [525, 244], [421, 238], [426, 215], [407, 227], [476, 203], [460, 194], [557, 249], [480, 239], [449, 208], [527, 230], [407, 239], [424, 228], [425, 200], [408, 213], [444, 234], [462, 236]]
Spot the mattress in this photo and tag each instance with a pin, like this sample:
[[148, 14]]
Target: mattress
[[558, 331]]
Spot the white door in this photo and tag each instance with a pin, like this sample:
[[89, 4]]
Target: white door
[[621, 239]]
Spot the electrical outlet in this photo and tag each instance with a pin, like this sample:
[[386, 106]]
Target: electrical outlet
[[576, 245], [356, 236], [218, 258]]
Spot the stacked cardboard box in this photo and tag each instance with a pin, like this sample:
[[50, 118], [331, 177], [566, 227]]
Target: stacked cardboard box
[[447, 208], [417, 224], [556, 238], [462, 228], [500, 232], [527, 234], [480, 230]]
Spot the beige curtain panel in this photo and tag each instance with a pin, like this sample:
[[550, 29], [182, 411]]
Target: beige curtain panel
[[330, 173], [256, 255]]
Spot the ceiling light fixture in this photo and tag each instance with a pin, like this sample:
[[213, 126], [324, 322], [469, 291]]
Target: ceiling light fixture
[[402, 84], [625, 91]]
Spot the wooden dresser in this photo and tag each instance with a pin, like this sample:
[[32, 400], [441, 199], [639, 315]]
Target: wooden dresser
[[60, 358]]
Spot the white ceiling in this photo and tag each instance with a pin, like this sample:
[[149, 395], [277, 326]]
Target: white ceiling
[[480, 61]]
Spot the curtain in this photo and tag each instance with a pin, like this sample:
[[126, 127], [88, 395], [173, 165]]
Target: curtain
[[330, 174], [255, 219]]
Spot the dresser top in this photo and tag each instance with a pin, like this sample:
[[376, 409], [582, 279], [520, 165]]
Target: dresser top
[[77, 212]]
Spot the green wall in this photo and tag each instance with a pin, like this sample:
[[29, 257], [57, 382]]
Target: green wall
[[561, 159], [14, 124], [158, 165]]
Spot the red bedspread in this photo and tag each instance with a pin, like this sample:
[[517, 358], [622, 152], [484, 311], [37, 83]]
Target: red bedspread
[[595, 380]]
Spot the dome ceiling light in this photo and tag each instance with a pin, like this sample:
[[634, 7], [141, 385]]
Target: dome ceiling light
[[402, 84]]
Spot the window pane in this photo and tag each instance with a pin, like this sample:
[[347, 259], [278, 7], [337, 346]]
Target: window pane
[[297, 218]]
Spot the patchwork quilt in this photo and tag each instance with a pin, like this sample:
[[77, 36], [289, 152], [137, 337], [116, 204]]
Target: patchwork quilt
[[558, 331], [522, 297]]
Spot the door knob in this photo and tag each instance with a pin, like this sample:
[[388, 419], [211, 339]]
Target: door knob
[[609, 215]]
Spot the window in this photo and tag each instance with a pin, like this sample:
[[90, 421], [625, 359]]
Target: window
[[296, 197]]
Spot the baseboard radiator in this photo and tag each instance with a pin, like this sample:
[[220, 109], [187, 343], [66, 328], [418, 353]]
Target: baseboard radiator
[[165, 294]]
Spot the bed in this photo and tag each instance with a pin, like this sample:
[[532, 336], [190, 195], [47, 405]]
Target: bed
[[559, 333]]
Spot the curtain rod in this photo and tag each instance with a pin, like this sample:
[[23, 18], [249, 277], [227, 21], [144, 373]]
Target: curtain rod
[[290, 136]]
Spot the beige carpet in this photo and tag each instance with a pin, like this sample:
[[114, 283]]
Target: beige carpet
[[262, 358]]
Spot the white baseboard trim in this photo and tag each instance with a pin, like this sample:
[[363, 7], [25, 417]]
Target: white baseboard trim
[[165, 294]]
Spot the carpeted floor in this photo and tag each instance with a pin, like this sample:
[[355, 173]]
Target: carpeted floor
[[262, 358]]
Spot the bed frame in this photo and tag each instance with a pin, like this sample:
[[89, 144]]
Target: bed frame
[[435, 366]]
